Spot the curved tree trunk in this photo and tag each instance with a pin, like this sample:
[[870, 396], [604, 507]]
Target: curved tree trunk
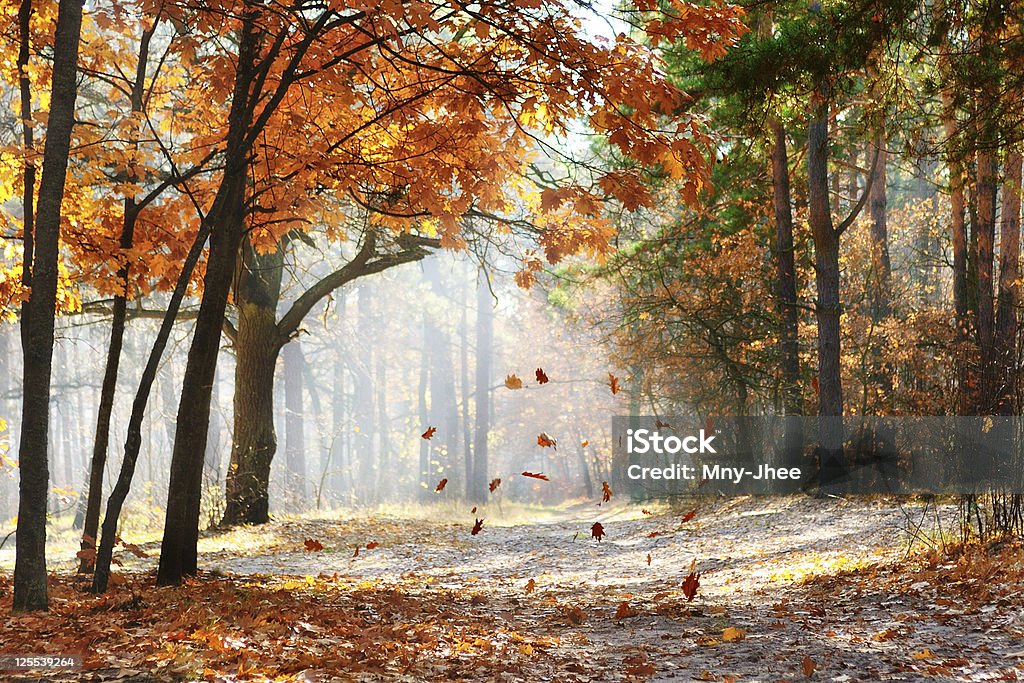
[[257, 345]]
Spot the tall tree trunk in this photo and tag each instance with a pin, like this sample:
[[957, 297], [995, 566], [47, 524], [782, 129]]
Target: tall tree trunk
[[28, 145], [1009, 272], [30, 591], [257, 345], [101, 438], [227, 218], [785, 269], [986, 182], [826, 260], [133, 440], [295, 421], [484, 357]]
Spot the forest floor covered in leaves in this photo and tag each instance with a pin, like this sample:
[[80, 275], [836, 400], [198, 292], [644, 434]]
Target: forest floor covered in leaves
[[791, 589]]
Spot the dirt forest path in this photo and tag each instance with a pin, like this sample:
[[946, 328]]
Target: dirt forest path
[[791, 589], [770, 606]]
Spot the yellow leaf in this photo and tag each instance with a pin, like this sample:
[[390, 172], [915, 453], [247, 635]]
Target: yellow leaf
[[733, 634], [922, 654]]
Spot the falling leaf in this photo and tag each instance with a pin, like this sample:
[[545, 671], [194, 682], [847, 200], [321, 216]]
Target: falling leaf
[[372, 544], [733, 634], [606, 492], [473, 511], [356, 553], [313, 545], [808, 666], [545, 441], [597, 531], [691, 583], [624, 610], [513, 382], [613, 383], [688, 516], [534, 475], [429, 433], [477, 527], [648, 559], [530, 585], [586, 442], [542, 377], [495, 483], [441, 484]]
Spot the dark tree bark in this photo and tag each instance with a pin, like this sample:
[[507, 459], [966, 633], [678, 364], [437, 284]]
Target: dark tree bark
[[30, 590], [986, 183], [826, 259], [257, 344], [101, 438], [226, 219], [28, 143], [484, 356], [1009, 272], [785, 269]]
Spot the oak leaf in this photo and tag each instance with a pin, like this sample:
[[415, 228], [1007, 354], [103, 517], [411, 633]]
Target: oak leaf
[[688, 516], [429, 433], [530, 586], [597, 531], [513, 382], [542, 377], [312, 545], [606, 492], [477, 527], [545, 441], [495, 483], [613, 383]]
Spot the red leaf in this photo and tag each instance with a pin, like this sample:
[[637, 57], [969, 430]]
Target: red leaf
[[613, 383], [688, 516], [441, 484], [624, 610], [597, 531], [691, 583], [372, 544], [536, 476], [606, 492], [542, 378], [356, 553], [648, 559], [545, 441], [477, 527], [495, 483], [429, 433], [313, 545]]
